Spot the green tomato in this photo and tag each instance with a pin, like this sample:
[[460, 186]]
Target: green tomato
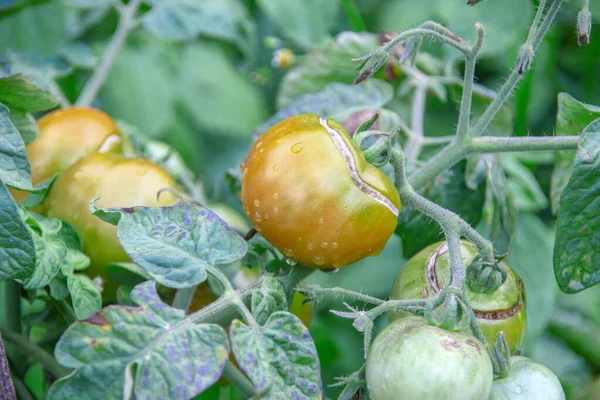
[[412, 360], [501, 311], [527, 380]]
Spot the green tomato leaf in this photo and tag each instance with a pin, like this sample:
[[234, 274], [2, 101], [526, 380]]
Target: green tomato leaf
[[338, 101], [571, 119], [58, 288], [305, 22], [85, 295], [17, 250], [50, 254], [18, 91], [578, 332], [530, 256], [38, 194], [281, 359], [499, 212], [15, 170], [75, 260], [450, 191], [577, 250], [147, 352], [217, 97], [152, 110], [127, 273], [79, 54], [188, 19], [25, 124], [79, 20], [268, 299], [321, 66], [174, 244], [528, 195]]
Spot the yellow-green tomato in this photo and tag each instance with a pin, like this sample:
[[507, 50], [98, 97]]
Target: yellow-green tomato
[[412, 360], [527, 380], [309, 191], [428, 272], [65, 136], [120, 182]]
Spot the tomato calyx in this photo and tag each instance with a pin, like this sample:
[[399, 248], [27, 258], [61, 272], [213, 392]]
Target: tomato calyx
[[353, 169], [490, 275], [448, 311], [484, 276]]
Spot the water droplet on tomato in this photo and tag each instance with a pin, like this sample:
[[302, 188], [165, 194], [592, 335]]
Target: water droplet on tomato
[[276, 210], [256, 203], [288, 252], [321, 220], [518, 389], [290, 262], [319, 260], [261, 151], [257, 217], [257, 228], [258, 145], [266, 216], [310, 246], [245, 171], [142, 171], [334, 245], [324, 245], [275, 167], [297, 148]]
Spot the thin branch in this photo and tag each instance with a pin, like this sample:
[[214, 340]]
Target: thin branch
[[183, 298], [414, 145], [492, 144], [239, 380], [127, 21]]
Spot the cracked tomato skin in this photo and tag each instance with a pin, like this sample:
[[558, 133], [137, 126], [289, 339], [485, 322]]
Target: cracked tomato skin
[[527, 380], [501, 311], [412, 360], [120, 182], [309, 191]]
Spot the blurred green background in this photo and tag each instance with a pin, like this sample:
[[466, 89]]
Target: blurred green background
[[207, 92]]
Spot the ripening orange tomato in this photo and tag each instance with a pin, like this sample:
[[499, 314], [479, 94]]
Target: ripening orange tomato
[[309, 191]]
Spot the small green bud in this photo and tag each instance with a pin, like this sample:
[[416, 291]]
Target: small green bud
[[525, 58], [374, 146], [584, 26], [485, 277], [371, 63]]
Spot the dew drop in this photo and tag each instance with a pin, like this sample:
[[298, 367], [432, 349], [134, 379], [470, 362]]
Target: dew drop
[[142, 171], [256, 203], [258, 145], [246, 209], [266, 216], [310, 246], [319, 260], [276, 210], [278, 141], [257, 228], [245, 171], [257, 217], [297, 148], [518, 389], [261, 151], [334, 245], [321, 220], [275, 195], [290, 262], [243, 165], [288, 252], [324, 245], [275, 167]]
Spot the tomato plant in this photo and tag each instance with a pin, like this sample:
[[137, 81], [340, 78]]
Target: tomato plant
[[411, 358], [503, 310], [224, 198], [307, 157]]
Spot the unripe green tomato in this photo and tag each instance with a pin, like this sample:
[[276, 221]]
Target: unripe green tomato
[[309, 191], [527, 380], [428, 272], [65, 136], [412, 360], [120, 182]]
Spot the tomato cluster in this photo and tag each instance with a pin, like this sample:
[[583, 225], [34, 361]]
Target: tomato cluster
[[84, 146]]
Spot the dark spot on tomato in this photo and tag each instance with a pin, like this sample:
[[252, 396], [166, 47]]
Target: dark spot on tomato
[[474, 344]]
